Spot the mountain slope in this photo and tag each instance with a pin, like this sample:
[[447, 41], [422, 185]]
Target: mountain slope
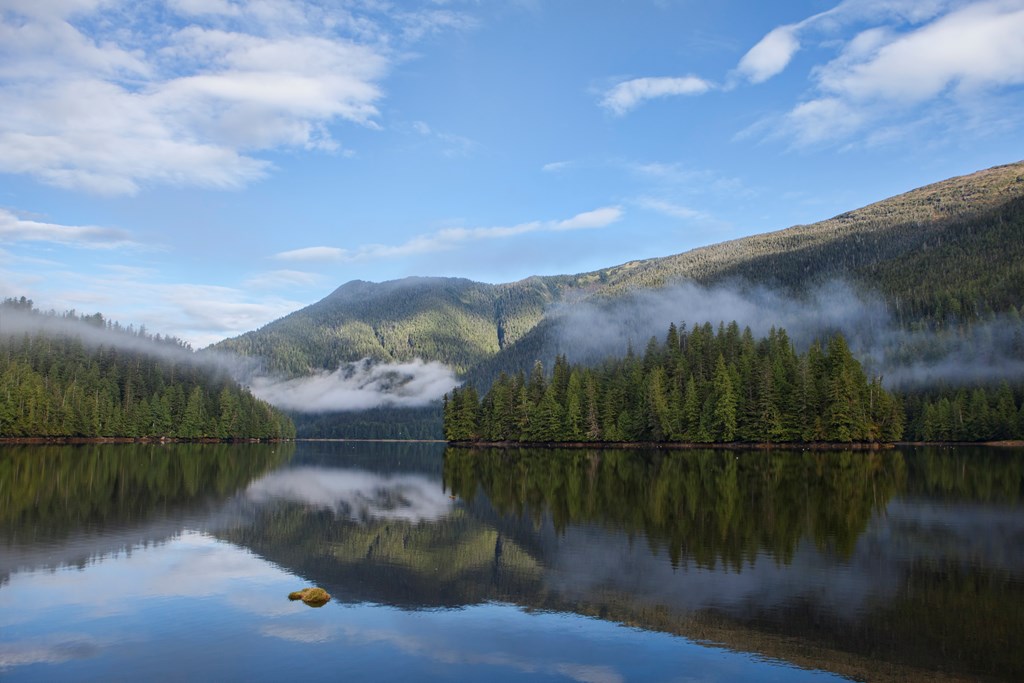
[[976, 212], [953, 248], [456, 321]]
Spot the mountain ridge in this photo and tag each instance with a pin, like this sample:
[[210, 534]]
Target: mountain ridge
[[951, 248]]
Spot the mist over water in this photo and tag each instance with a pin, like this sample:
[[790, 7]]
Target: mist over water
[[988, 351]]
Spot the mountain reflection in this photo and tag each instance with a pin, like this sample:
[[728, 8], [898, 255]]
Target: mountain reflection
[[886, 557]]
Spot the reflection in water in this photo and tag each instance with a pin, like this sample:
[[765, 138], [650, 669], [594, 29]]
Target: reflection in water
[[69, 505], [706, 506], [878, 565], [818, 546], [56, 489], [357, 494]]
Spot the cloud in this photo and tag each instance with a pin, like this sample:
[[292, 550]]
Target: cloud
[[910, 63], [450, 238], [276, 279], [358, 386], [630, 94], [110, 96], [555, 166], [598, 218], [196, 312], [975, 48], [670, 208], [771, 55], [313, 254], [15, 229]]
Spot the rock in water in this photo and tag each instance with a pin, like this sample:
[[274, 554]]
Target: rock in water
[[314, 597]]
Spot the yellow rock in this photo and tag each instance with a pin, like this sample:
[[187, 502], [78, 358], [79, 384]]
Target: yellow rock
[[314, 597]]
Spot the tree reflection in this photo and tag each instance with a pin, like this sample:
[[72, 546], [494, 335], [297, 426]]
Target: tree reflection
[[705, 506], [55, 489]]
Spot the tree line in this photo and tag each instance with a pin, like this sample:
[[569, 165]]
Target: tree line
[[58, 385], [700, 386], [978, 413]]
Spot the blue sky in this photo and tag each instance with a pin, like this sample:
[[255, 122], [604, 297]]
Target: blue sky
[[202, 167]]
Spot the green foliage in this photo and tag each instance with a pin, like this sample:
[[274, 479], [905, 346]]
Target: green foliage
[[55, 385], [456, 321], [385, 422], [979, 413], [708, 505], [949, 252], [753, 391], [57, 489]]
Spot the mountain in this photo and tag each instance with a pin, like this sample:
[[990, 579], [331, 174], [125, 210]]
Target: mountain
[[953, 250], [452, 320]]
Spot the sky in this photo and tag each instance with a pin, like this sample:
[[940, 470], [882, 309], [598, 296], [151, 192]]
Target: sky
[[203, 167]]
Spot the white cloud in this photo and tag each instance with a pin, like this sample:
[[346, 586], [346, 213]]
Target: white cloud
[[449, 238], [556, 166], [107, 96], [978, 47], [629, 94], [15, 229], [670, 208], [196, 312], [313, 254], [277, 279], [598, 218], [884, 75], [205, 7], [771, 55]]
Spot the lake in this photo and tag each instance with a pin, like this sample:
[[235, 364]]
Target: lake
[[174, 562]]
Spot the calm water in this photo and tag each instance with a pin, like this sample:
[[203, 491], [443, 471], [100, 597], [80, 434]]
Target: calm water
[[174, 563]]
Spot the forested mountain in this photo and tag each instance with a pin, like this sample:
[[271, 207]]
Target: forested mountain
[[456, 321], [951, 250], [938, 261], [81, 376]]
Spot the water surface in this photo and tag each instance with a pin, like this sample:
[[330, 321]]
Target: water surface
[[174, 562]]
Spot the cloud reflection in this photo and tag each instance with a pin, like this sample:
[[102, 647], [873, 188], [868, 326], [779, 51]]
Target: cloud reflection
[[357, 494]]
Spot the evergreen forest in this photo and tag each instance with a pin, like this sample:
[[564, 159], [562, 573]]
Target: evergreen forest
[[708, 386], [130, 384], [698, 386]]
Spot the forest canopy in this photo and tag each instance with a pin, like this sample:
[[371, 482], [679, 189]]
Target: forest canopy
[[698, 386], [68, 375]]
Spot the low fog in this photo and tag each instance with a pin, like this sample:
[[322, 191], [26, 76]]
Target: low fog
[[15, 322], [587, 332], [983, 352], [353, 386], [358, 386]]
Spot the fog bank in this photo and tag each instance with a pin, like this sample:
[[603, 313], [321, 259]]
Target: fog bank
[[358, 386], [988, 351]]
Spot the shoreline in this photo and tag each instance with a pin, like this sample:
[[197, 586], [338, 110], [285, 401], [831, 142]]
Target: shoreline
[[786, 445], [81, 440], [627, 445]]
